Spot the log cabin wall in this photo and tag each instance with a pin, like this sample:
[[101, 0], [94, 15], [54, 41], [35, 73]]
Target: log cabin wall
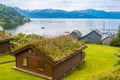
[[32, 63], [4, 47], [65, 67]]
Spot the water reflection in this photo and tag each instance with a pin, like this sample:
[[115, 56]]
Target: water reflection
[[11, 26]]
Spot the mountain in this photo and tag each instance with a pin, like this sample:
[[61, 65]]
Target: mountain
[[10, 15], [101, 14], [54, 13]]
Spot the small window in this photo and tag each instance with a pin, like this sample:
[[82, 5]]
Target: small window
[[24, 61], [40, 65], [30, 51]]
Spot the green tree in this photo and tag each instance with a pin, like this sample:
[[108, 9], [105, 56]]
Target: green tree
[[10, 15], [116, 40]]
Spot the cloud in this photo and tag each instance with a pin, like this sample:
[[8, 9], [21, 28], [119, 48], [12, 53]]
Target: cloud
[[108, 5]]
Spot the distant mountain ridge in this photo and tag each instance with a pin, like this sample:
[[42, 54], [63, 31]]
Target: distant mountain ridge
[[54, 13]]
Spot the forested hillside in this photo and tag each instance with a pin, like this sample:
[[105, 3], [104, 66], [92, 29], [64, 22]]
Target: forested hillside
[[10, 15]]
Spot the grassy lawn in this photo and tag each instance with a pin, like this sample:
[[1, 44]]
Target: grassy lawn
[[6, 57], [7, 73], [99, 59]]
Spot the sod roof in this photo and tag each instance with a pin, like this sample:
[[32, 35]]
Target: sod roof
[[58, 48], [5, 35]]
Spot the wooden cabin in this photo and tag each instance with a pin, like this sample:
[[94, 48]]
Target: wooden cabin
[[50, 58], [94, 37], [77, 34], [5, 39]]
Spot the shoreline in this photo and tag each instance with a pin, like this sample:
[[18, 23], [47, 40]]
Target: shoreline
[[13, 22]]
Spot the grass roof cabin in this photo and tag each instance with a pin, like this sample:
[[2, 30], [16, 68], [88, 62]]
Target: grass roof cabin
[[50, 58], [5, 39]]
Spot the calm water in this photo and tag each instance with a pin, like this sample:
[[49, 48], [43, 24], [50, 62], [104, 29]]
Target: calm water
[[60, 26]]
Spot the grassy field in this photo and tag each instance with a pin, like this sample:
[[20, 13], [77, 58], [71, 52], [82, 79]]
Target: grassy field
[[7, 73], [6, 57], [99, 59]]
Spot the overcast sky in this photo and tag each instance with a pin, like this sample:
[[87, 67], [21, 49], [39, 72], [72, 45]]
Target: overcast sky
[[107, 5]]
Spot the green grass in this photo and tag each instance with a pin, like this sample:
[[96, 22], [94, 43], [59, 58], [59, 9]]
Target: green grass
[[7, 73], [99, 59], [6, 57]]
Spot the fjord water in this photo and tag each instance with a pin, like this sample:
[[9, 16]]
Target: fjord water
[[61, 26]]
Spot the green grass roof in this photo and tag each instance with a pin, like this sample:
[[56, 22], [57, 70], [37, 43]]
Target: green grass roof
[[5, 35], [58, 48]]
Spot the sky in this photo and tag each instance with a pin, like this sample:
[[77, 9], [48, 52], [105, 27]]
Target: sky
[[69, 5]]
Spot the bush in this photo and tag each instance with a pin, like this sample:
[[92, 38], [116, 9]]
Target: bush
[[116, 40]]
